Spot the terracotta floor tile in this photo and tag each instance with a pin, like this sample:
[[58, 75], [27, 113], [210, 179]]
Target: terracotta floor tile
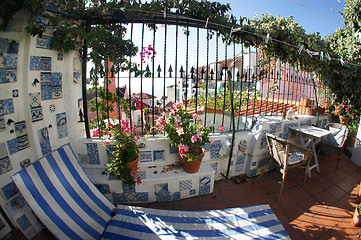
[[253, 190], [323, 182], [312, 188], [336, 192], [325, 198], [301, 218], [293, 212], [310, 229], [326, 219], [285, 200], [351, 180], [211, 206], [345, 186], [299, 194], [294, 233], [339, 211]]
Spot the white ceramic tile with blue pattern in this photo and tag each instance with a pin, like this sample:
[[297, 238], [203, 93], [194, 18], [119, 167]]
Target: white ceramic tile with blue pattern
[[45, 63], [9, 190], [15, 93], [216, 145], [56, 79], [76, 77], [2, 124], [158, 155], [13, 46], [7, 106], [103, 188], [204, 181], [36, 114], [145, 156], [46, 92], [23, 142], [34, 63], [4, 45], [12, 60], [215, 154], [62, 131], [23, 222], [61, 119], [34, 99], [93, 153], [60, 57], [3, 150], [43, 42], [215, 166], [13, 145], [45, 78], [3, 78], [45, 148], [176, 196], [20, 128], [56, 92], [164, 197], [161, 187], [5, 165], [11, 75], [185, 184], [203, 190]]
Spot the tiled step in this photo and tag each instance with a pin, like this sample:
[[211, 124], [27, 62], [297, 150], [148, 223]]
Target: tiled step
[[159, 184]]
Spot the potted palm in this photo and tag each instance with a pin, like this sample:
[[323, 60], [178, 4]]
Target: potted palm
[[124, 154], [188, 133]]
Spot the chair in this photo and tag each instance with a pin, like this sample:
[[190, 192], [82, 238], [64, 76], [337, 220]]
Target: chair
[[334, 143], [288, 155], [65, 200]]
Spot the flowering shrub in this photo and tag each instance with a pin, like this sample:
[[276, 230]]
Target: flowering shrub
[[345, 109], [185, 131], [126, 149]]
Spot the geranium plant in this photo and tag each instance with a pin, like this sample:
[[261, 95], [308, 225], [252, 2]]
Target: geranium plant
[[345, 109], [185, 131], [124, 150]]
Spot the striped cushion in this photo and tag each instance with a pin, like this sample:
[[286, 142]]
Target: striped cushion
[[62, 196], [254, 222]]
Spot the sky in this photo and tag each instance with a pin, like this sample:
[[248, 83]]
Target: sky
[[313, 15]]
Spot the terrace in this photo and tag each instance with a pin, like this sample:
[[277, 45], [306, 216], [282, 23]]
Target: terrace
[[231, 77]]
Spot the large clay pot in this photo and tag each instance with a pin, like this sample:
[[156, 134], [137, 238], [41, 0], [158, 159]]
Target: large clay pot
[[193, 166], [134, 164]]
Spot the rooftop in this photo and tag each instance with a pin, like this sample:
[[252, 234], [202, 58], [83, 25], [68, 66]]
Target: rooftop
[[322, 209]]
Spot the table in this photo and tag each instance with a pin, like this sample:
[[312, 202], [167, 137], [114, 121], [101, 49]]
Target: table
[[313, 132]]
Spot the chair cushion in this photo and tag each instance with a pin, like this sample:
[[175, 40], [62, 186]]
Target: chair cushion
[[295, 157], [336, 137]]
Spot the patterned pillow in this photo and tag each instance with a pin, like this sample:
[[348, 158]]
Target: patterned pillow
[[336, 137], [295, 157]]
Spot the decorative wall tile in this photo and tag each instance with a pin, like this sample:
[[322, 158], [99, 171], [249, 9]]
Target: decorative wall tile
[[93, 154], [52, 108], [11, 75], [110, 148], [5, 165], [23, 142], [185, 184], [45, 78], [60, 56], [43, 42], [126, 188], [25, 163], [103, 188], [44, 140], [46, 93], [129, 197], [9, 190], [158, 155], [15, 93], [161, 187], [12, 60], [83, 158], [56, 92], [145, 156], [13, 146], [204, 181], [192, 192], [17, 202], [216, 145], [34, 63], [164, 197], [215, 154], [23, 222], [254, 164], [4, 45], [203, 190], [76, 77], [176, 196], [14, 25], [2, 124], [141, 175], [3, 78], [61, 125], [286, 126], [240, 163], [34, 99], [7, 106], [56, 79], [3, 151], [20, 128], [36, 114], [13, 46], [215, 166], [207, 147], [45, 63]]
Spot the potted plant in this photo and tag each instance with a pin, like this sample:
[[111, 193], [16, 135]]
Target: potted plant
[[125, 154], [346, 111], [188, 133]]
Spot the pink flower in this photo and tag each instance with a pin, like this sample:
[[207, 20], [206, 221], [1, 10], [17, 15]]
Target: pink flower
[[136, 138], [96, 132], [160, 122], [200, 123], [211, 142], [133, 173], [172, 112], [182, 149], [221, 128], [177, 118], [139, 181], [194, 115], [180, 131], [194, 139]]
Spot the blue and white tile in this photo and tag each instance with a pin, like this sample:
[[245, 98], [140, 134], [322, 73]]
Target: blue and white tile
[[52, 108], [62, 131], [23, 222], [76, 77], [161, 187], [14, 25], [158, 155], [103, 188], [15, 93], [204, 181], [56, 92], [56, 79], [45, 78], [36, 114], [13, 146], [60, 57], [83, 158], [12, 60], [11, 75], [3, 78], [286, 126], [45, 148], [23, 142], [192, 192], [185, 184], [4, 45], [173, 149], [141, 174], [126, 188], [45, 63], [207, 147], [176, 196], [20, 128], [17, 202], [306, 122], [43, 42], [34, 99], [203, 190], [35, 63], [215, 166], [145, 156], [164, 197], [43, 135], [216, 145], [3, 60], [5, 165], [2, 124], [142, 197], [118, 198], [13, 46], [46, 93], [25, 163], [9, 190], [3, 150], [7, 106], [215, 154], [93, 153], [61, 119]]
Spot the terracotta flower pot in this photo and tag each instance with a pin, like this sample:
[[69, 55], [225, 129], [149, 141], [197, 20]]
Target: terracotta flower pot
[[344, 120], [193, 166], [134, 164]]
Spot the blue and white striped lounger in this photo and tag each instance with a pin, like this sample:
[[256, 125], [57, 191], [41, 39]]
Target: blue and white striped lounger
[[71, 207]]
